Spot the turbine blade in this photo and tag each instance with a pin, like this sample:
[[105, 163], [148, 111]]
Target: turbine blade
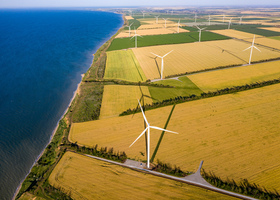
[[132, 37], [161, 129], [257, 48], [139, 136], [143, 114], [198, 27], [155, 54], [247, 48], [167, 53]]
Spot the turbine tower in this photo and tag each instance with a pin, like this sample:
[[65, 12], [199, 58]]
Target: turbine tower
[[156, 19], [240, 21], [209, 19], [129, 27], [200, 29], [179, 25], [148, 135], [135, 35], [143, 14], [165, 21], [195, 17], [223, 18], [252, 47], [162, 63], [229, 23]]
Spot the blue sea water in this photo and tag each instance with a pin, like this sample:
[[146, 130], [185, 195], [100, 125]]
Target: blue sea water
[[42, 56]]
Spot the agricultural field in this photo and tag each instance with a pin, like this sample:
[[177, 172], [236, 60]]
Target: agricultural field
[[152, 40], [237, 76], [119, 98], [241, 127], [158, 31], [75, 171], [123, 65], [128, 17], [275, 38], [275, 29], [194, 57]]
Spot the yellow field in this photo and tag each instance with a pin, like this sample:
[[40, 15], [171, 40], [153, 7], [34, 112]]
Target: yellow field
[[197, 56], [213, 80], [242, 128], [236, 34], [267, 42], [88, 178], [157, 31], [119, 98], [151, 24], [128, 17]]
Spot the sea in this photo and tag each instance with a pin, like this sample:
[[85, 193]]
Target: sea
[[43, 53]]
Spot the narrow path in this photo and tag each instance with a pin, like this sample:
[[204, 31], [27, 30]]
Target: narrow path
[[194, 179]]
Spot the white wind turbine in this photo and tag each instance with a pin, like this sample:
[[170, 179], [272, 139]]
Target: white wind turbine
[[143, 14], [135, 35], [179, 26], [200, 29], [209, 19], [162, 63], [252, 47], [229, 23], [165, 21], [129, 27], [156, 19], [195, 17], [223, 18], [240, 21], [148, 135]]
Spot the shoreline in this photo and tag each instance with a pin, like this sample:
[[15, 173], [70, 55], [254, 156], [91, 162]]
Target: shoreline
[[66, 110]]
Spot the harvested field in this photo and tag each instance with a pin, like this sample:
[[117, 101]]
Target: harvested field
[[81, 176], [193, 57], [241, 127], [123, 65], [227, 78], [151, 24], [119, 98], [159, 31], [128, 17], [268, 42], [236, 34]]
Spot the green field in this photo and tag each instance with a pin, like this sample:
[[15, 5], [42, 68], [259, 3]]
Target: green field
[[123, 65], [152, 40], [135, 24], [276, 37]]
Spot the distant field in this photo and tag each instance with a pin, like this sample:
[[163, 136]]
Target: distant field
[[226, 78], [152, 40], [275, 29], [119, 98], [197, 56], [249, 37], [135, 24], [241, 127], [123, 65], [106, 181]]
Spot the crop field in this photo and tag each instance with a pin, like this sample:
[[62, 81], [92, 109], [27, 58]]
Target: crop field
[[153, 40], [128, 17], [276, 29], [119, 98], [275, 38], [75, 171], [123, 65], [158, 31], [227, 78], [241, 127], [236, 34], [268, 42], [193, 57]]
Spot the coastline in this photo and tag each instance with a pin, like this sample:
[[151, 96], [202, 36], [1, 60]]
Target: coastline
[[67, 108]]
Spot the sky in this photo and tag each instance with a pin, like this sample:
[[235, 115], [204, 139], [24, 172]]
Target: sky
[[130, 3]]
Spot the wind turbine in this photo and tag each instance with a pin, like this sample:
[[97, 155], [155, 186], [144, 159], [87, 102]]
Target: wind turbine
[[200, 29], [135, 35], [179, 26], [156, 19], [240, 21], [161, 73], [209, 19], [229, 23], [148, 135], [165, 21], [172, 12], [195, 17], [223, 18], [129, 27], [252, 47], [143, 14]]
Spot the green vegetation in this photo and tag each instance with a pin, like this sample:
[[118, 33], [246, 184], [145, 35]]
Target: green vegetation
[[152, 40], [123, 65], [276, 37], [243, 187], [135, 24]]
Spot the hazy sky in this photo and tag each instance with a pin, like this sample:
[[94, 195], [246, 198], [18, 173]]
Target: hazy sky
[[108, 3]]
